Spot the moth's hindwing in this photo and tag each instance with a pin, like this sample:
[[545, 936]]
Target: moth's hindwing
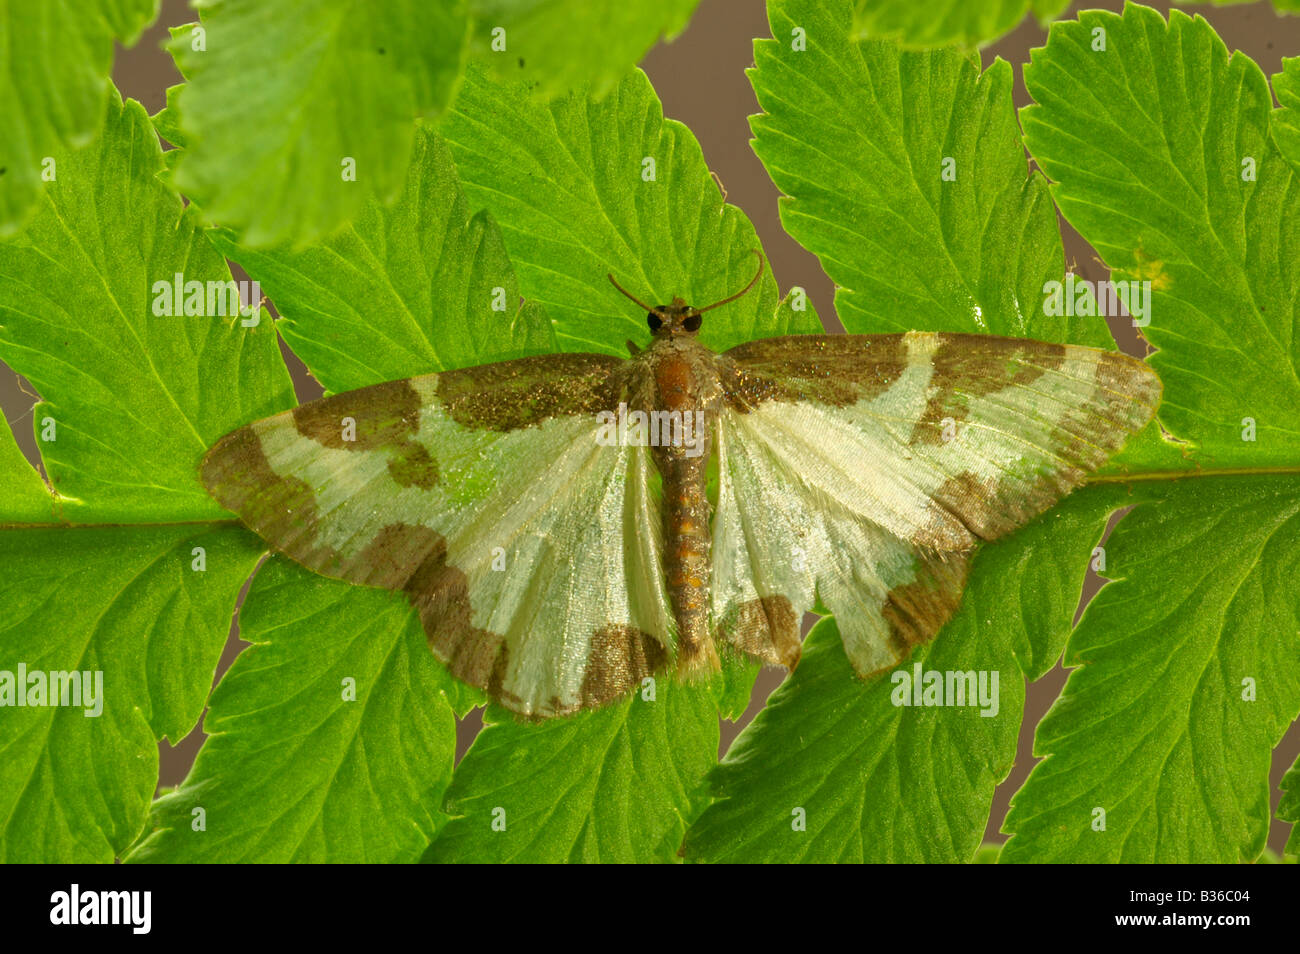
[[486, 497], [863, 469]]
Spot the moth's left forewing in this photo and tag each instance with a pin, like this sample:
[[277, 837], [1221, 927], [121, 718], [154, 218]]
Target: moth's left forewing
[[863, 469], [485, 495]]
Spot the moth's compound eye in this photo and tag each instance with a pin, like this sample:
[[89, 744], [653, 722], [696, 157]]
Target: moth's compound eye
[[654, 321], [693, 322]]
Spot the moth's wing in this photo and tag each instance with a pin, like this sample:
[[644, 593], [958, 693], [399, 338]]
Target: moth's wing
[[530, 549], [861, 470]]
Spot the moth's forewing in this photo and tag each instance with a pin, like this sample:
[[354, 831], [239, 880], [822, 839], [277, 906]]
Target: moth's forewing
[[484, 495], [863, 469]]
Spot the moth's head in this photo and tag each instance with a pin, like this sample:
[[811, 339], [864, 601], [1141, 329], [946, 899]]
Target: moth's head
[[679, 318], [671, 321]]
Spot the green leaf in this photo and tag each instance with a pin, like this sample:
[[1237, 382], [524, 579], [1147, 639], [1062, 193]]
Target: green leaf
[[1286, 121], [558, 45], [1045, 11], [1188, 675], [1270, 857], [615, 785], [1148, 141], [296, 771], [1288, 809], [402, 291], [1188, 680], [168, 120], [568, 183], [1281, 6], [987, 854], [131, 399], [127, 603], [858, 136], [871, 780], [26, 498], [285, 94], [55, 56], [944, 22]]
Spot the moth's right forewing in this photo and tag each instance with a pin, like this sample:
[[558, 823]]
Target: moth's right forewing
[[862, 469], [942, 439]]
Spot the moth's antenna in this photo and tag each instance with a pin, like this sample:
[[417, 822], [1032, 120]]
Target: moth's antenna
[[610, 276], [752, 282]]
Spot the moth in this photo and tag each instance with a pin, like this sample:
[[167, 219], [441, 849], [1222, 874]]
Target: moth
[[557, 558]]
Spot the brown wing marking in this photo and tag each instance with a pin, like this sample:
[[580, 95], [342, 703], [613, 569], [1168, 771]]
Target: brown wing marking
[[831, 369], [968, 370], [279, 508], [380, 418], [765, 629], [916, 611], [513, 394], [621, 656]]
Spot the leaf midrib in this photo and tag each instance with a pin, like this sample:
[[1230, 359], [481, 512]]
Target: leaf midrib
[[1137, 477]]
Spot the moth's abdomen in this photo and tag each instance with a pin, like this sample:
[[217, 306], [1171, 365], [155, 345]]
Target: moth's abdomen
[[686, 561], [687, 540]]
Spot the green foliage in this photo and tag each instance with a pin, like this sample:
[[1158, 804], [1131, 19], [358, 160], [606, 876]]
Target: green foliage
[[404, 290], [947, 22], [26, 498], [1186, 669], [295, 115], [268, 148], [558, 45], [1193, 197], [131, 399], [1286, 121], [616, 785], [1281, 6], [124, 602], [54, 61], [331, 738], [1289, 808], [1175, 747], [130, 402], [876, 781], [1187, 679], [905, 174], [584, 189]]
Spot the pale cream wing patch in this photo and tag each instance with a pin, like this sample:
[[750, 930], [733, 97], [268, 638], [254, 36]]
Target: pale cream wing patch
[[864, 469], [484, 495]]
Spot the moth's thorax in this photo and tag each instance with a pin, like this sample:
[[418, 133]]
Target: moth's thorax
[[676, 374]]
